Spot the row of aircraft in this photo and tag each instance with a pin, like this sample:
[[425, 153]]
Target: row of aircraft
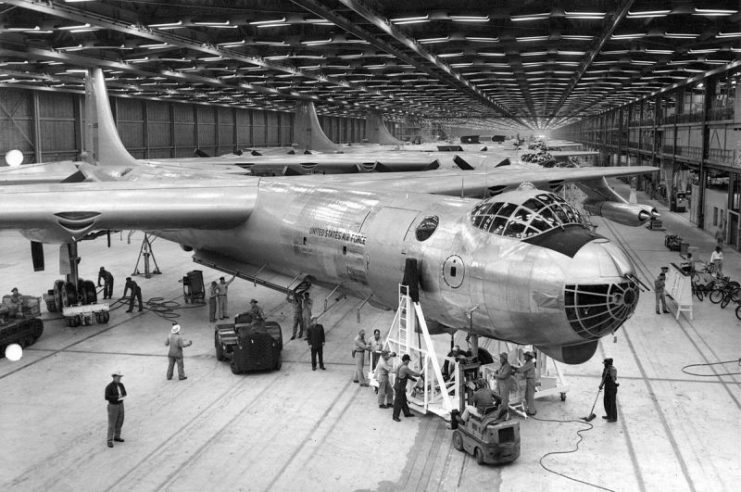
[[520, 264]]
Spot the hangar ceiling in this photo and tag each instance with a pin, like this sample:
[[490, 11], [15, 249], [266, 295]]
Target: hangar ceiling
[[524, 63]]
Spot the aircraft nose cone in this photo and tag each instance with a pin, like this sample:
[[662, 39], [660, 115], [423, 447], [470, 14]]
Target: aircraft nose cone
[[600, 294]]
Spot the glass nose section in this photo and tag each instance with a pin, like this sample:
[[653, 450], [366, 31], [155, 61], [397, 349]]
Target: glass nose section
[[594, 310], [603, 293]]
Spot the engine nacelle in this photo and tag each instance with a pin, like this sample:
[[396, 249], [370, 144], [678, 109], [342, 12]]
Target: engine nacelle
[[630, 214]]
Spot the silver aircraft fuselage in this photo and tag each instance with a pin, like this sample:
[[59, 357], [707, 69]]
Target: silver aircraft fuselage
[[516, 290]]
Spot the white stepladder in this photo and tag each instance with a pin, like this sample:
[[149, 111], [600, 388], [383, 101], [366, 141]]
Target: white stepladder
[[409, 335]]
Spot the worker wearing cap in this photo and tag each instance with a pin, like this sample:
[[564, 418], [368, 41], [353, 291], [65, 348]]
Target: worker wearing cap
[[15, 303], [360, 347], [528, 371], [175, 354], [505, 379], [136, 293], [115, 394], [660, 291], [256, 311], [107, 278], [403, 374], [222, 296], [610, 384], [383, 369]]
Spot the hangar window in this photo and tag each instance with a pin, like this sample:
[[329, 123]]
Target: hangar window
[[534, 216], [426, 227]]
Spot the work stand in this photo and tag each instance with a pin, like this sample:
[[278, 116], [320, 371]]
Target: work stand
[[146, 252], [409, 335]]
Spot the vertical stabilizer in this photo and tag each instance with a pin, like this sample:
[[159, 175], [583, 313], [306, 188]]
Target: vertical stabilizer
[[103, 146], [376, 131], [307, 132]]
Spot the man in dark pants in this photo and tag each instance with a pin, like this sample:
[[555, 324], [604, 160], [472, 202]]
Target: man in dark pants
[[610, 384], [315, 336], [115, 394], [400, 388], [107, 278], [296, 299], [136, 292]]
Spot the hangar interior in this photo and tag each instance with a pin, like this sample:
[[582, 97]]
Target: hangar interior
[[640, 82]]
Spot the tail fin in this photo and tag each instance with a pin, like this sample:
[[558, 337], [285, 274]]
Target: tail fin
[[103, 146], [377, 131], [308, 132]]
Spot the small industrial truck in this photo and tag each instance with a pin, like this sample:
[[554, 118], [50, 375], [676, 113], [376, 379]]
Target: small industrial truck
[[250, 346], [490, 440]]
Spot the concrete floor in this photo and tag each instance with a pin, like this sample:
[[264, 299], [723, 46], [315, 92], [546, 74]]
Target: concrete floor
[[301, 430]]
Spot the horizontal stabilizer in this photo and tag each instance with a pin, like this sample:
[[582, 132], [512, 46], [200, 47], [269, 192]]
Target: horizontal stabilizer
[[461, 163], [61, 212]]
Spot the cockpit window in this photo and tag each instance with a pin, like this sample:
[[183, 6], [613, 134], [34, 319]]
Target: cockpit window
[[534, 216]]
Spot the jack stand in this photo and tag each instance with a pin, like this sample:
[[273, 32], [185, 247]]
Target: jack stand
[[146, 251], [408, 322]]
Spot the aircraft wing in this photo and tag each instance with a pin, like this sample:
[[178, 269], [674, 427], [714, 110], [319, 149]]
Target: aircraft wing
[[54, 212], [476, 183], [46, 172]]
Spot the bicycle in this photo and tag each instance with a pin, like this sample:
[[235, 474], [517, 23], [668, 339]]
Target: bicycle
[[725, 291]]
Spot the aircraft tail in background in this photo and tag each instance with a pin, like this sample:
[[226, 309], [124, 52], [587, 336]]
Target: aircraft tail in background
[[307, 132]]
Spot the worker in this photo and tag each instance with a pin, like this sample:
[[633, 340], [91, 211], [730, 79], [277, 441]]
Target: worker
[[175, 353], [358, 353], [222, 296], [505, 379], [115, 392], [136, 292], [610, 384], [660, 291], [376, 345], [484, 402], [458, 355], [296, 298], [213, 301], [107, 278], [315, 337], [256, 311], [403, 374], [716, 258], [528, 371], [306, 305], [383, 369], [15, 303]]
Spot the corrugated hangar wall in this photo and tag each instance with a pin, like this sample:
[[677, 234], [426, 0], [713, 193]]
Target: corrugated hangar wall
[[47, 126]]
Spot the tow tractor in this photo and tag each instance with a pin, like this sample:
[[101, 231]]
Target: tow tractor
[[20, 325], [250, 346], [490, 438]]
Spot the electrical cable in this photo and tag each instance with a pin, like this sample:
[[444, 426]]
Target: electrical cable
[[581, 438], [738, 362]]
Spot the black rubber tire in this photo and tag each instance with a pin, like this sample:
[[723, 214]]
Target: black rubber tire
[[726, 300], [105, 316], [563, 396], [278, 364], [738, 311], [58, 288], [736, 295], [219, 349], [69, 294], [478, 455], [233, 366], [699, 294], [716, 296], [457, 441], [90, 292]]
